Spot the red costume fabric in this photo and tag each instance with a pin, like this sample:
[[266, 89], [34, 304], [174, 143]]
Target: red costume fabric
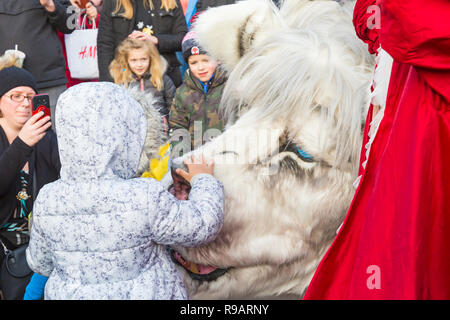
[[394, 242], [364, 19]]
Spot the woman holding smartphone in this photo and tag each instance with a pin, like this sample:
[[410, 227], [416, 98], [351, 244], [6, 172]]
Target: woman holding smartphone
[[28, 159]]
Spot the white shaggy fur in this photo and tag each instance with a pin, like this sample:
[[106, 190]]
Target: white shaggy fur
[[227, 32], [298, 77], [155, 136]]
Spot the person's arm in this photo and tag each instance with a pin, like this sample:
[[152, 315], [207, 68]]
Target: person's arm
[[364, 21], [39, 254], [12, 160], [192, 222], [57, 14], [417, 32], [172, 42], [105, 42], [47, 156]]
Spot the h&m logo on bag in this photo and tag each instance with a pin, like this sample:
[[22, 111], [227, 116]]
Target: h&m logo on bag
[[88, 52]]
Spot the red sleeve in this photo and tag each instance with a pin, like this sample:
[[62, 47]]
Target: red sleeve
[[417, 32], [364, 18]]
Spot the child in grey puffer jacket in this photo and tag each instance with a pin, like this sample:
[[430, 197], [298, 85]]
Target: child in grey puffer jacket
[[99, 233]]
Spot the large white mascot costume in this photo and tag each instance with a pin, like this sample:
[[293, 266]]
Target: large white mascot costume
[[296, 99]]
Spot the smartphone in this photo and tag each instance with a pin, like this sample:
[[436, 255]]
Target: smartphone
[[83, 3], [40, 102]]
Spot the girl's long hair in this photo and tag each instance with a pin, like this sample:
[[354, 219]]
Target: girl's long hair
[[120, 70], [127, 7]]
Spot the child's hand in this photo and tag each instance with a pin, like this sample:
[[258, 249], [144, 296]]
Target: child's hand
[[196, 166]]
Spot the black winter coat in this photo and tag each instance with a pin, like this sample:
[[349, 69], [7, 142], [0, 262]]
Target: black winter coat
[[205, 4], [168, 26], [43, 158], [27, 24]]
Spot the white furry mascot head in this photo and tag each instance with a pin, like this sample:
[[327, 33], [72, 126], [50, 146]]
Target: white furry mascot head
[[295, 101]]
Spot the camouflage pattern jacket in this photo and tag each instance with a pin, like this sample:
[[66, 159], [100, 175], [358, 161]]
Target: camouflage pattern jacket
[[194, 118]]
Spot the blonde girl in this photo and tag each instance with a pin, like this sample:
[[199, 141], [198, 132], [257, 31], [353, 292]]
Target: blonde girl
[[160, 22], [138, 63]]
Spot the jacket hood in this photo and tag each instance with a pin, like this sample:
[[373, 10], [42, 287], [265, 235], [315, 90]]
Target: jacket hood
[[101, 131]]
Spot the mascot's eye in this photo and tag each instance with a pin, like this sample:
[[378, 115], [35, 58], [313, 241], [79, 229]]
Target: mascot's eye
[[302, 154], [305, 156]]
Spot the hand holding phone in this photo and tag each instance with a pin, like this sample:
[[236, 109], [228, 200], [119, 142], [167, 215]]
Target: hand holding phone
[[34, 129]]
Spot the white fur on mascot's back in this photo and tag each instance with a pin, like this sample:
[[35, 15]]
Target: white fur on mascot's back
[[300, 74]]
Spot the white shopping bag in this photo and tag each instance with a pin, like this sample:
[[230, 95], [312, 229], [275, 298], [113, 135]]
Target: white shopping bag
[[81, 50]]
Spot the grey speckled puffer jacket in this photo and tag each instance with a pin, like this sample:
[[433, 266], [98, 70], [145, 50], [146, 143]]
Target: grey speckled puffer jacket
[[97, 232]]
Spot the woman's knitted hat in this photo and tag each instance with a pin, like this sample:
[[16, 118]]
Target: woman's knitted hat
[[14, 77]]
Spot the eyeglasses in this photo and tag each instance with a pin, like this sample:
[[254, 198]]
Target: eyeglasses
[[17, 97]]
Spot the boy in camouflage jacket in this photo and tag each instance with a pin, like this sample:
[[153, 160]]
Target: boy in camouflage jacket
[[194, 118]]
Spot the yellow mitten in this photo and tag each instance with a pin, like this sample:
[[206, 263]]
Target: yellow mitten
[[159, 166]]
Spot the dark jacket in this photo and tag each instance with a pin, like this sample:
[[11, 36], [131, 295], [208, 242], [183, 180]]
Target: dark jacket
[[192, 104], [205, 4], [168, 26], [43, 158], [27, 24]]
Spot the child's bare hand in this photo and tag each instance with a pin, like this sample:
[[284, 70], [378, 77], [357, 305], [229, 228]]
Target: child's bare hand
[[196, 166]]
